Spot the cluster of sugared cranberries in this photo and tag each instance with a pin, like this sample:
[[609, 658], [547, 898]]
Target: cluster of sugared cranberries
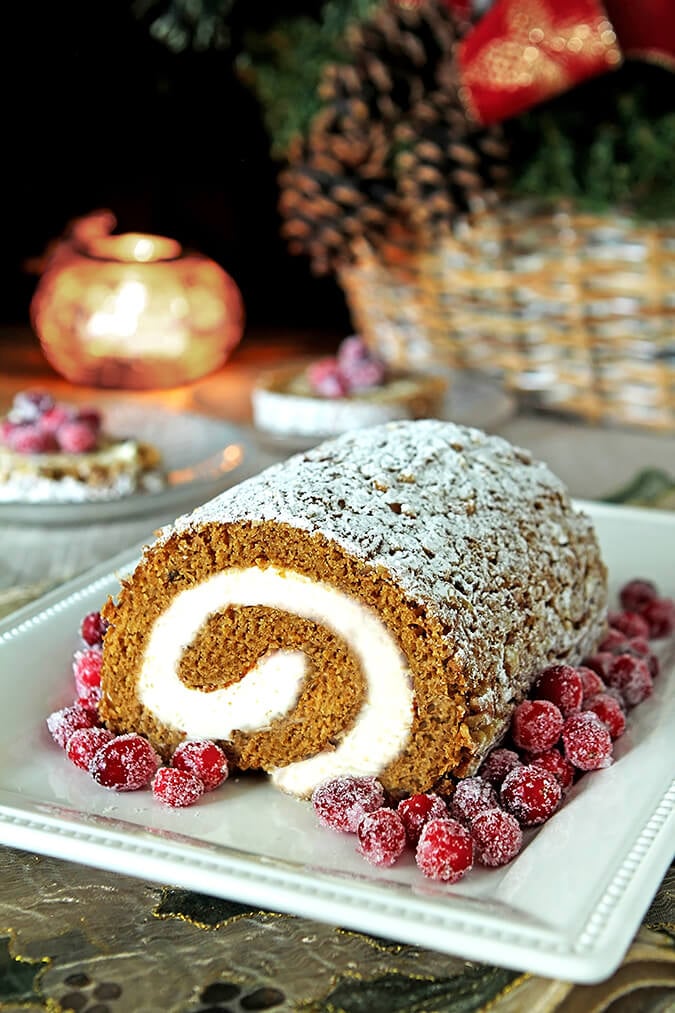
[[352, 370], [566, 728], [127, 762], [37, 424]]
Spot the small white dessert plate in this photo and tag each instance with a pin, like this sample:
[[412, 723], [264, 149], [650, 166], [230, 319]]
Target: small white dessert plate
[[567, 907], [185, 441]]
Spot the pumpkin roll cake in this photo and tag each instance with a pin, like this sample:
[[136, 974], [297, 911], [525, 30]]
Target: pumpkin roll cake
[[378, 605]]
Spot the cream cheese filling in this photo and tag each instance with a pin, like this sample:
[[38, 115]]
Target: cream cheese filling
[[271, 688]]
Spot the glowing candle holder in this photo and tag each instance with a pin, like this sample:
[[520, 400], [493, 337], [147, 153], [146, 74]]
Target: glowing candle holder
[[133, 310]]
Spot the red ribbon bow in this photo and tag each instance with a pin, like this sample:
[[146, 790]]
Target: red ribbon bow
[[523, 52]]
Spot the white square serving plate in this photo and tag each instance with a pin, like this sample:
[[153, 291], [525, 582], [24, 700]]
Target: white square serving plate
[[567, 907]]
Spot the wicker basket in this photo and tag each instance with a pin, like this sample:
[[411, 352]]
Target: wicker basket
[[575, 310]]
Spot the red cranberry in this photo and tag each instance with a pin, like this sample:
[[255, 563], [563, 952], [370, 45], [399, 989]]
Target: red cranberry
[[613, 641], [326, 378], [204, 759], [90, 417], [29, 405], [556, 764], [562, 685], [176, 788], [531, 794], [631, 624], [497, 765], [28, 438], [600, 662], [591, 681], [418, 810], [636, 594], [76, 437], [64, 722], [87, 669], [381, 836], [536, 725], [660, 617], [342, 802], [610, 713], [472, 796], [54, 417], [84, 743], [587, 742], [92, 629], [444, 850], [126, 763], [497, 837], [90, 700], [631, 676]]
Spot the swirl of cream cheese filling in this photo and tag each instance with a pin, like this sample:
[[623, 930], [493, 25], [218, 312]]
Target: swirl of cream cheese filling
[[271, 688]]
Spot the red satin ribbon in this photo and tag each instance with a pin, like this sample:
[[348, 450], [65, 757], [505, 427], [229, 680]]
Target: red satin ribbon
[[523, 52]]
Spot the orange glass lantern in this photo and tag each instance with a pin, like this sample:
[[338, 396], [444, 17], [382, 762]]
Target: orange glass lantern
[[133, 310]]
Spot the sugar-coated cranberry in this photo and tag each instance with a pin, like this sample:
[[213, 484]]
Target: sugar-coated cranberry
[[562, 685], [84, 743], [531, 794], [636, 594], [556, 764], [204, 759], [591, 681], [176, 788], [342, 802], [631, 676], [92, 628], [87, 669], [600, 662], [29, 405], [363, 374], [497, 837], [126, 763], [610, 713], [497, 765], [472, 796], [631, 624], [90, 417], [90, 700], [75, 437], [52, 420], [381, 836], [660, 617], [444, 850], [352, 349], [536, 725], [418, 810], [587, 741], [29, 438], [326, 378], [62, 723], [614, 641]]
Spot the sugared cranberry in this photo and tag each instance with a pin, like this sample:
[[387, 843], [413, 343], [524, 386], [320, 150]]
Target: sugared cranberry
[[614, 641], [660, 617], [631, 676], [54, 417], [640, 646], [636, 594], [497, 837], [587, 742], [204, 759], [631, 624], [84, 743], [418, 810], [531, 794], [342, 802], [76, 437], [90, 700], [444, 850], [381, 836], [600, 662], [87, 669], [591, 681], [92, 628], [29, 438], [126, 763], [472, 796], [64, 722], [363, 374], [176, 788], [29, 405], [326, 378], [610, 713], [497, 765], [562, 685], [536, 725], [556, 764], [90, 417]]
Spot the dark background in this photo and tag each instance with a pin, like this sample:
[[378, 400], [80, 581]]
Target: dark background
[[99, 114]]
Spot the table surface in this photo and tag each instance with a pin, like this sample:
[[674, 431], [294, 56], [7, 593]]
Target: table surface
[[87, 940]]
